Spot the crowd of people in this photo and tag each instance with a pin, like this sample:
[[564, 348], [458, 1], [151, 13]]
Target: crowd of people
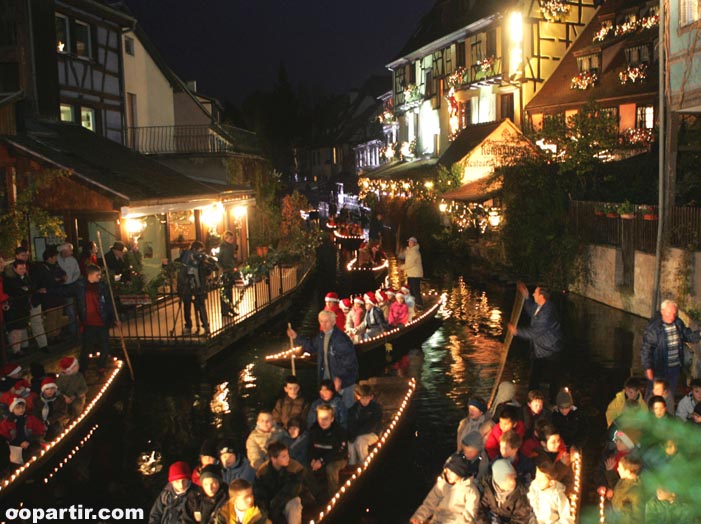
[[291, 460]]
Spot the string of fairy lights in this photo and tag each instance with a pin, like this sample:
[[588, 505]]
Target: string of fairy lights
[[72, 453], [22, 471]]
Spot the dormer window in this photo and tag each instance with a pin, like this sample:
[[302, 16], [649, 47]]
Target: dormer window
[[588, 64], [638, 55]]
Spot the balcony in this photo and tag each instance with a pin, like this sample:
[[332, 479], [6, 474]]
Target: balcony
[[484, 73], [189, 139]]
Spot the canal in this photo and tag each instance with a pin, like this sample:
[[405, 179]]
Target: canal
[[173, 405]]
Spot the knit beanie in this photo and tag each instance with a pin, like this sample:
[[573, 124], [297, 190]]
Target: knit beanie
[[178, 471], [458, 465], [501, 470], [479, 403], [210, 472], [474, 440], [564, 399]]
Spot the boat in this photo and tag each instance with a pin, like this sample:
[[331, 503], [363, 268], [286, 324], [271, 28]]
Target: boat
[[364, 278], [433, 305], [348, 242], [60, 450], [394, 395]]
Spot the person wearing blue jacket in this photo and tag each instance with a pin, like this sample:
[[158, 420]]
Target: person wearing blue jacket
[[234, 464], [544, 335], [336, 357], [662, 352]]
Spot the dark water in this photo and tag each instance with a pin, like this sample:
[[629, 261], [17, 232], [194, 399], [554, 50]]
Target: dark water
[[174, 405]]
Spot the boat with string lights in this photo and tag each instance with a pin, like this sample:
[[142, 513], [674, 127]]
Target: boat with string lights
[[348, 241], [52, 456], [364, 277], [390, 340]]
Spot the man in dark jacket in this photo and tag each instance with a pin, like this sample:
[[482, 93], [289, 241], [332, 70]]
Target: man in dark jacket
[[280, 486], [202, 504], [504, 498], [227, 261], [192, 282], [336, 358], [328, 449], [97, 316], [662, 352], [544, 335], [169, 507], [19, 288]]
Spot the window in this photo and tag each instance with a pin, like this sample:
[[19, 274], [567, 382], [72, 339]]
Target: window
[[645, 117], [67, 113], [689, 11], [460, 54], [412, 73], [588, 63], [437, 64], [129, 45], [399, 80], [492, 43], [87, 118], [62, 34], [484, 107], [448, 58], [83, 43], [638, 55], [476, 52], [507, 106], [429, 88]]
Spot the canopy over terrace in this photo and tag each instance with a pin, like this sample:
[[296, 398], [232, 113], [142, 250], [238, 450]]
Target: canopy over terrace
[[395, 179]]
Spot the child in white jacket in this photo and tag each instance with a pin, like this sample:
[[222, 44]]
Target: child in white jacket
[[454, 498], [547, 497]]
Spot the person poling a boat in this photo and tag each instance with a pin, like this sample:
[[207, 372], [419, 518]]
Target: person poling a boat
[[336, 358], [544, 335]]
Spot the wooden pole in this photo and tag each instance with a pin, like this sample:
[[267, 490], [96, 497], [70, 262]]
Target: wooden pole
[[292, 354], [114, 306], [515, 314]]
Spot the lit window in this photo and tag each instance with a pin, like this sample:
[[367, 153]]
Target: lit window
[[87, 118], [588, 64], [689, 11], [83, 43], [129, 45], [67, 113], [62, 34], [645, 118]]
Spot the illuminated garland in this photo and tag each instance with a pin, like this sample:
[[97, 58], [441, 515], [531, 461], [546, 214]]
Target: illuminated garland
[[360, 470], [22, 470], [575, 496], [387, 117], [456, 78], [71, 454], [412, 93], [554, 9], [486, 64], [647, 22], [639, 136], [633, 74], [584, 80], [351, 266]]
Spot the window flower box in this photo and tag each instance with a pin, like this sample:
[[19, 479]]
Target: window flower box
[[554, 10], [633, 74], [584, 80], [486, 65]]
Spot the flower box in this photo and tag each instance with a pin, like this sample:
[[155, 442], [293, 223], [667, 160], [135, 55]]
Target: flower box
[[627, 216], [650, 216], [611, 215]]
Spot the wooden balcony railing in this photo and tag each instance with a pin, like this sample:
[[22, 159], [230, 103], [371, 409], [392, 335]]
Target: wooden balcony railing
[[598, 228]]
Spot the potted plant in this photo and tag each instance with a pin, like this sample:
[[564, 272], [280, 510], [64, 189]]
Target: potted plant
[[600, 210], [611, 210], [626, 210], [648, 212]]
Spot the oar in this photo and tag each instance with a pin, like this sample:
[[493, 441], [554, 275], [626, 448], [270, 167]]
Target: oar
[[292, 353], [114, 307], [515, 314]]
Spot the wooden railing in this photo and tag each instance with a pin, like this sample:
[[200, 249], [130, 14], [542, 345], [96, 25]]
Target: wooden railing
[[598, 228]]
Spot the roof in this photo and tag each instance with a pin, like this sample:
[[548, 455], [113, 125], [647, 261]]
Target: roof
[[468, 139], [556, 92], [402, 170], [477, 191], [448, 16], [106, 164]]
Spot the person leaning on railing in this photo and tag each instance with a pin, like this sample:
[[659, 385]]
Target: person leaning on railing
[[19, 288]]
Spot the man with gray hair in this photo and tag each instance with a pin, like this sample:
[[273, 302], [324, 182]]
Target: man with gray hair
[[335, 355], [662, 352]]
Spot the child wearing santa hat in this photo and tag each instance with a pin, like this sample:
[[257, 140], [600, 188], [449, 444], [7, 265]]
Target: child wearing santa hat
[[20, 430], [11, 373], [50, 408], [72, 386], [20, 389], [332, 304]]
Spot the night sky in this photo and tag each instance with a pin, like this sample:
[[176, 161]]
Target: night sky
[[233, 48]]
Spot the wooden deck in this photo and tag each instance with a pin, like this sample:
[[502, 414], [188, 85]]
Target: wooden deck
[[159, 328]]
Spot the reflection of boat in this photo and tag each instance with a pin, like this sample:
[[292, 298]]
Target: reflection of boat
[[348, 242], [361, 279], [392, 337], [58, 451]]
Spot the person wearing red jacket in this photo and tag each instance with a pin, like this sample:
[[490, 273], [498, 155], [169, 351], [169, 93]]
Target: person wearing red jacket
[[508, 420], [20, 430], [332, 301]]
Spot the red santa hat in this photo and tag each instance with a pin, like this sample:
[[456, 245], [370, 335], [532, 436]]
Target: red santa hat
[[11, 370], [16, 401], [68, 364], [345, 303], [20, 386], [48, 382], [331, 297], [390, 292], [381, 296], [370, 297], [359, 300], [399, 295]]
